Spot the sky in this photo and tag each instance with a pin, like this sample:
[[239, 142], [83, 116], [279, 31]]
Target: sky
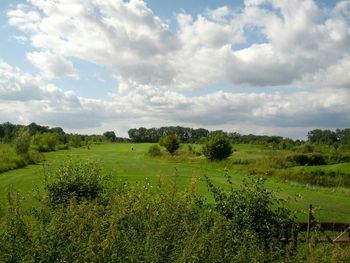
[[255, 66]]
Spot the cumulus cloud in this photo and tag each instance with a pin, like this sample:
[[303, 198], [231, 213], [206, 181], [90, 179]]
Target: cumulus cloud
[[267, 44], [52, 65], [132, 42], [25, 98]]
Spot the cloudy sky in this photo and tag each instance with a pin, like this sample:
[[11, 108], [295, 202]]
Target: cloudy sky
[[253, 66]]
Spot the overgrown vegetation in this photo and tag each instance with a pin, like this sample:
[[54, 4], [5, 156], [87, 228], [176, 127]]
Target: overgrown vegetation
[[124, 222], [170, 142], [217, 148], [154, 151], [143, 223], [81, 181]]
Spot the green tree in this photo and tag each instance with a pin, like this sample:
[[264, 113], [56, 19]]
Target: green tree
[[171, 143], [110, 136], [22, 143], [217, 148]]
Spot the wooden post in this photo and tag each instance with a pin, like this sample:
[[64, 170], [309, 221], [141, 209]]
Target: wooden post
[[309, 222]]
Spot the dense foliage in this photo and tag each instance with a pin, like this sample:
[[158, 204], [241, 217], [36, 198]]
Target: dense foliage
[[78, 180], [341, 136], [217, 148], [142, 223], [154, 134], [170, 142], [110, 136]]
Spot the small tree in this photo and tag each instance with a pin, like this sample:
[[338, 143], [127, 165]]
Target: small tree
[[170, 142], [22, 144], [217, 148]]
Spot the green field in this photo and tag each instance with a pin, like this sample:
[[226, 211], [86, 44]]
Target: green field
[[119, 160]]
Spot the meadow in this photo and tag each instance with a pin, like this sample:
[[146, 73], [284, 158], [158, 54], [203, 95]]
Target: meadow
[[126, 161]]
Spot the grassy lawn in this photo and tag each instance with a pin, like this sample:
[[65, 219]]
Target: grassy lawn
[[331, 204]]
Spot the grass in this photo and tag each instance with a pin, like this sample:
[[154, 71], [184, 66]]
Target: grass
[[9, 159], [331, 204]]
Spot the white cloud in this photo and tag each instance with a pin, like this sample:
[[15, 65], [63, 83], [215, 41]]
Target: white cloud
[[267, 44], [24, 18], [132, 42], [24, 98], [52, 65]]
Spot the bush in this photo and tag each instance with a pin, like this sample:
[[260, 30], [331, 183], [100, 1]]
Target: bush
[[217, 148], [154, 151], [9, 159], [170, 142], [253, 209], [74, 179], [309, 159], [22, 144], [45, 142]]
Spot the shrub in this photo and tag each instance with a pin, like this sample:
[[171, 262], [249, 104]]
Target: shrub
[[170, 142], [81, 180], [307, 159], [22, 144], [217, 148], [253, 209], [154, 151], [45, 142], [9, 159]]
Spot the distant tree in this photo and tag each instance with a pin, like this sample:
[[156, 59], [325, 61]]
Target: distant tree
[[34, 128], [110, 136], [217, 148], [62, 136], [322, 136], [2, 132], [10, 131], [171, 143], [343, 136]]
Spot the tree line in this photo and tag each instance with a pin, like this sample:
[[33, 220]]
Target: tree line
[[21, 145], [10, 132], [329, 137], [191, 135]]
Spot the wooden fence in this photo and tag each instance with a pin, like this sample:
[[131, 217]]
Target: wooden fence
[[331, 232]]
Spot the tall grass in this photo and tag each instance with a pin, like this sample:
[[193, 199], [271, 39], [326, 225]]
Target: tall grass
[[9, 159]]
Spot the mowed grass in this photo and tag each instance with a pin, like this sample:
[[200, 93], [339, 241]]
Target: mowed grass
[[121, 162]]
